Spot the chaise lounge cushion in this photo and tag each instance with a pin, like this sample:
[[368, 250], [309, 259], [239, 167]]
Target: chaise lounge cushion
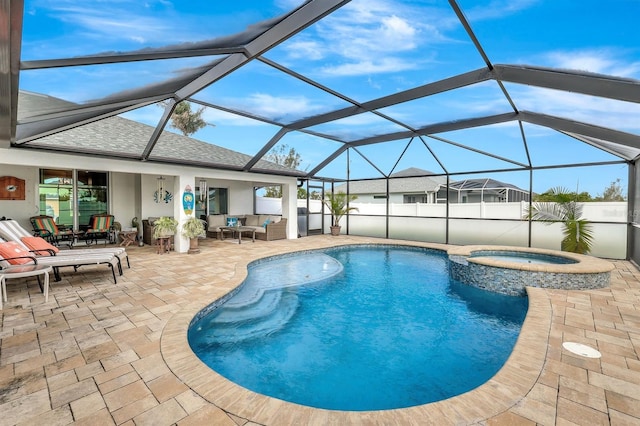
[[39, 245], [11, 249]]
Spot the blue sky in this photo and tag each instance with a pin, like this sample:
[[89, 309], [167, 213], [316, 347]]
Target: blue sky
[[367, 49]]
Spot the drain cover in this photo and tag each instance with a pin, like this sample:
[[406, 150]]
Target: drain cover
[[582, 350]]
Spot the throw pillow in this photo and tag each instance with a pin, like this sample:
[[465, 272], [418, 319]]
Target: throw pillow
[[232, 221], [39, 246], [266, 222], [14, 249], [252, 220], [216, 220]]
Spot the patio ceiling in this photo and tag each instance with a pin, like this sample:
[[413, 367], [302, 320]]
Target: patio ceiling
[[455, 97]]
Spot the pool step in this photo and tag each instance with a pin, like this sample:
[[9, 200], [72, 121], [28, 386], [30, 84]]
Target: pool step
[[250, 328], [249, 309]]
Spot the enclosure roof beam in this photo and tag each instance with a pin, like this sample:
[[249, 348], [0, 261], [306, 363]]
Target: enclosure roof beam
[[571, 81], [571, 126], [440, 86]]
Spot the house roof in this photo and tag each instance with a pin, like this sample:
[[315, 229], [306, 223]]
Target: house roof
[[129, 139]]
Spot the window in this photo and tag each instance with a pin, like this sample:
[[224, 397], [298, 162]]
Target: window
[[59, 190], [412, 199], [92, 195], [217, 202]]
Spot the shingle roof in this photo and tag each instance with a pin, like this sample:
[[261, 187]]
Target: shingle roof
[[129, 139]]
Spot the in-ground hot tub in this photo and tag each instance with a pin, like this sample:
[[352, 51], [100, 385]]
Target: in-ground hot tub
[[509, 270]]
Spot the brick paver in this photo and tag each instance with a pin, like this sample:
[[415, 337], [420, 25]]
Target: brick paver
[[93, 355]]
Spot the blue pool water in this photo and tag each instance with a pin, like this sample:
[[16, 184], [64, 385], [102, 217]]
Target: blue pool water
[[372, 328], [524, 257]]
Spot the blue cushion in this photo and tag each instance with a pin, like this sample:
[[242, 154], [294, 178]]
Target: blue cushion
[[266, 222], [232, 221]]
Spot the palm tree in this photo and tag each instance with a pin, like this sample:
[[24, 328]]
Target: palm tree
[[577, 231], [337, 203]]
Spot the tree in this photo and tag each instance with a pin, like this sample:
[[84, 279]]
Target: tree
[[285, 156], [613, 192], [288, 157], [562, 195], [577, 231], [186, 120]]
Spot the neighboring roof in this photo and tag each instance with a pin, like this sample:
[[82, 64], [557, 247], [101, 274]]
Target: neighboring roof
[[411, 180], [483, 183]]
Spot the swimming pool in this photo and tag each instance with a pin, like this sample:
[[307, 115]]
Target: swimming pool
[[389, 330]]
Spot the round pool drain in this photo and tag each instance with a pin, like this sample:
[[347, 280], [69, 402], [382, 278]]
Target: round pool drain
[[582, 350]]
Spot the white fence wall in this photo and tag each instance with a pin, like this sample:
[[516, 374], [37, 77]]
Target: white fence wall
[[425, 222]]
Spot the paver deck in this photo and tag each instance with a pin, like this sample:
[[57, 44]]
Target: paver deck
[[105, 353]]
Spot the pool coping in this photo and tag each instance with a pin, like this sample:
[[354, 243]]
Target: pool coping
[[584, 264], [504, 390]]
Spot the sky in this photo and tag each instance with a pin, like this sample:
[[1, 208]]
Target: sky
[[365, 50]]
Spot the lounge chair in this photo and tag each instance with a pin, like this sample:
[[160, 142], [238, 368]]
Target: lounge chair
[[46, 227], [101, 226], [11, 230], [15, 253]]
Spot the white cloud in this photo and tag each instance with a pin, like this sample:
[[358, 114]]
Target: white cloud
[[601, 61], [588, 109], [367, 67], [223, 118], [498, 9], [113, 24], [283, 106], [371, 37], [306, 49]]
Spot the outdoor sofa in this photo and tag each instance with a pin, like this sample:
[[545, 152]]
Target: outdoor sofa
[[267, 227]]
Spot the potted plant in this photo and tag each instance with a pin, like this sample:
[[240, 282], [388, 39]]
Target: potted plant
[[164, 227], [338, 205], [193, 228]]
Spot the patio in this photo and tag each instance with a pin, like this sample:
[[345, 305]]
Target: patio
[[99, 353]]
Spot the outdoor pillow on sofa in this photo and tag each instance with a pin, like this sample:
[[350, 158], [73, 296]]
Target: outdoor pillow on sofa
[[215, 221], [252, 220]]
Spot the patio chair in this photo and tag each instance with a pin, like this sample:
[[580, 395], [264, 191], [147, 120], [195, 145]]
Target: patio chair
[[11, 230], [14, 253], [101, 226], [46, 227]]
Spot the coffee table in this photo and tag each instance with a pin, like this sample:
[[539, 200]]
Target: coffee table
[[239, 230]]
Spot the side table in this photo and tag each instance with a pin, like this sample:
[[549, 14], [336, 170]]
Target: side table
[[21, 271], [164, 245], [128, 237]]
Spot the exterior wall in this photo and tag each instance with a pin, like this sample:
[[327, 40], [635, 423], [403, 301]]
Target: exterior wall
[[18, 209], [133, 184], [123, 194]]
